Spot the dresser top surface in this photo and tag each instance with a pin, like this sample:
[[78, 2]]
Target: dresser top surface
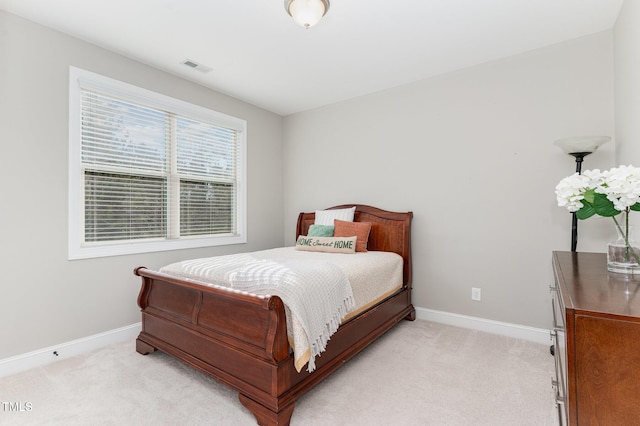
[[586, 285]]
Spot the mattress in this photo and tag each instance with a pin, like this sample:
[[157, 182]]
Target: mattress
[[373, 275]]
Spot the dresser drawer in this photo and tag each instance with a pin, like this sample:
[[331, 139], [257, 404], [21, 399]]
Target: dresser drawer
[[558, 304], [558, 338]]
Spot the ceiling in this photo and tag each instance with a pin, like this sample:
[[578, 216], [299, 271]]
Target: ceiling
[[259, 55]]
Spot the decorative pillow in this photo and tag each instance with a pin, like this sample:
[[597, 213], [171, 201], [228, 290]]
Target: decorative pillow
[[320, 231], [348, 229], [328, 244], [326, 217]]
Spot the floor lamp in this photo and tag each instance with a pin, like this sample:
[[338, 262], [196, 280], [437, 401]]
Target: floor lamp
[[579, 147]]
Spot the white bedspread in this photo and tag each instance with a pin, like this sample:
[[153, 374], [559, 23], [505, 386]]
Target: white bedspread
[[316, 287]]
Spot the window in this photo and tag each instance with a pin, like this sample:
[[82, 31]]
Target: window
[[150, 173]]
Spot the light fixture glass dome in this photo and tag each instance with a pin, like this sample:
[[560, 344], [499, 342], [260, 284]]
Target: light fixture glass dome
[[581, 144], [306, 13]]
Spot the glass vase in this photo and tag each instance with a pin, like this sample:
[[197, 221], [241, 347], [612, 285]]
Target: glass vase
[[623, 254]]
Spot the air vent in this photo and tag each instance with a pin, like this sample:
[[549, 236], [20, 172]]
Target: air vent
[[196, 66]]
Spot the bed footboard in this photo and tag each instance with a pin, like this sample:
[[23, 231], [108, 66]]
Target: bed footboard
[[217, 326]]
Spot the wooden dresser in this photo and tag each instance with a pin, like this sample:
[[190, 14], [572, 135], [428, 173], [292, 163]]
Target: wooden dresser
[[596, 341]]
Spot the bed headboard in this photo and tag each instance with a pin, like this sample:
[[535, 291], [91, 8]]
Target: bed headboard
[[390, 231]]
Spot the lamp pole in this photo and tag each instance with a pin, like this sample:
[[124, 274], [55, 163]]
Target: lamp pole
[[574, 219]]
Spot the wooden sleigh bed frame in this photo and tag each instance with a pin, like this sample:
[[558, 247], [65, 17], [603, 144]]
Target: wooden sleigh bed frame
[[241, 340]]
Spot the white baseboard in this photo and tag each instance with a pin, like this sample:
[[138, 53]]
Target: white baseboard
[[16, 364], [538, 335]]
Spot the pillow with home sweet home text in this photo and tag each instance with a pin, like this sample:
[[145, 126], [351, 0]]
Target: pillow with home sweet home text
[[327, 244]]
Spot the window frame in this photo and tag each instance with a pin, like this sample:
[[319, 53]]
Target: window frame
[[81, 79]]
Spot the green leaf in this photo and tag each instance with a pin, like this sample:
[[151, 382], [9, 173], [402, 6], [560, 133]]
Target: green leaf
[[586, 211], [589, 195], [603, 206], [635, 207]]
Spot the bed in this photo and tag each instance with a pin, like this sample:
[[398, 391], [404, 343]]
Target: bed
[[241, 339]]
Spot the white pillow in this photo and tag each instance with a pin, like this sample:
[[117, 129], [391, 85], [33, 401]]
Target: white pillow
[[326, 217]]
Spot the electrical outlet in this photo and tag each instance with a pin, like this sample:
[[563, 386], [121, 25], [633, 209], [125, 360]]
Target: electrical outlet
[[476, 294]]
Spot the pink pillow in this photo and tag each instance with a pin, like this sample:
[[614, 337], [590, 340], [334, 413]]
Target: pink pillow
[[349, 229]]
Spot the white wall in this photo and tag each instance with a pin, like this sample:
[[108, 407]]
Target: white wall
[[46, 299], [471, 154], [627, 83]]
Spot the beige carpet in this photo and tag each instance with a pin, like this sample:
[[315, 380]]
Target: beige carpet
[[420, 373]]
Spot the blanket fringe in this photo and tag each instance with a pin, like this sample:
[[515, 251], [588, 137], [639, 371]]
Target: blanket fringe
[[319, 345]]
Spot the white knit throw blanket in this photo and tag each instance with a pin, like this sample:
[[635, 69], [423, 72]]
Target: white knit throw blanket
[[317, 293]]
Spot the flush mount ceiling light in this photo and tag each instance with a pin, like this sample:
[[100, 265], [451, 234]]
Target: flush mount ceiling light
[[306, 13]]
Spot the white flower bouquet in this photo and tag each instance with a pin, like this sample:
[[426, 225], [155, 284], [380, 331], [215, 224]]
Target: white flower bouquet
[[606, 194]]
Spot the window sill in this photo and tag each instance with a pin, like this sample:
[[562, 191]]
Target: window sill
[[89, 252]]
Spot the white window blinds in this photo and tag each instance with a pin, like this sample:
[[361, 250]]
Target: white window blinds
[[124, 150], [151, 174], [206, 165]]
